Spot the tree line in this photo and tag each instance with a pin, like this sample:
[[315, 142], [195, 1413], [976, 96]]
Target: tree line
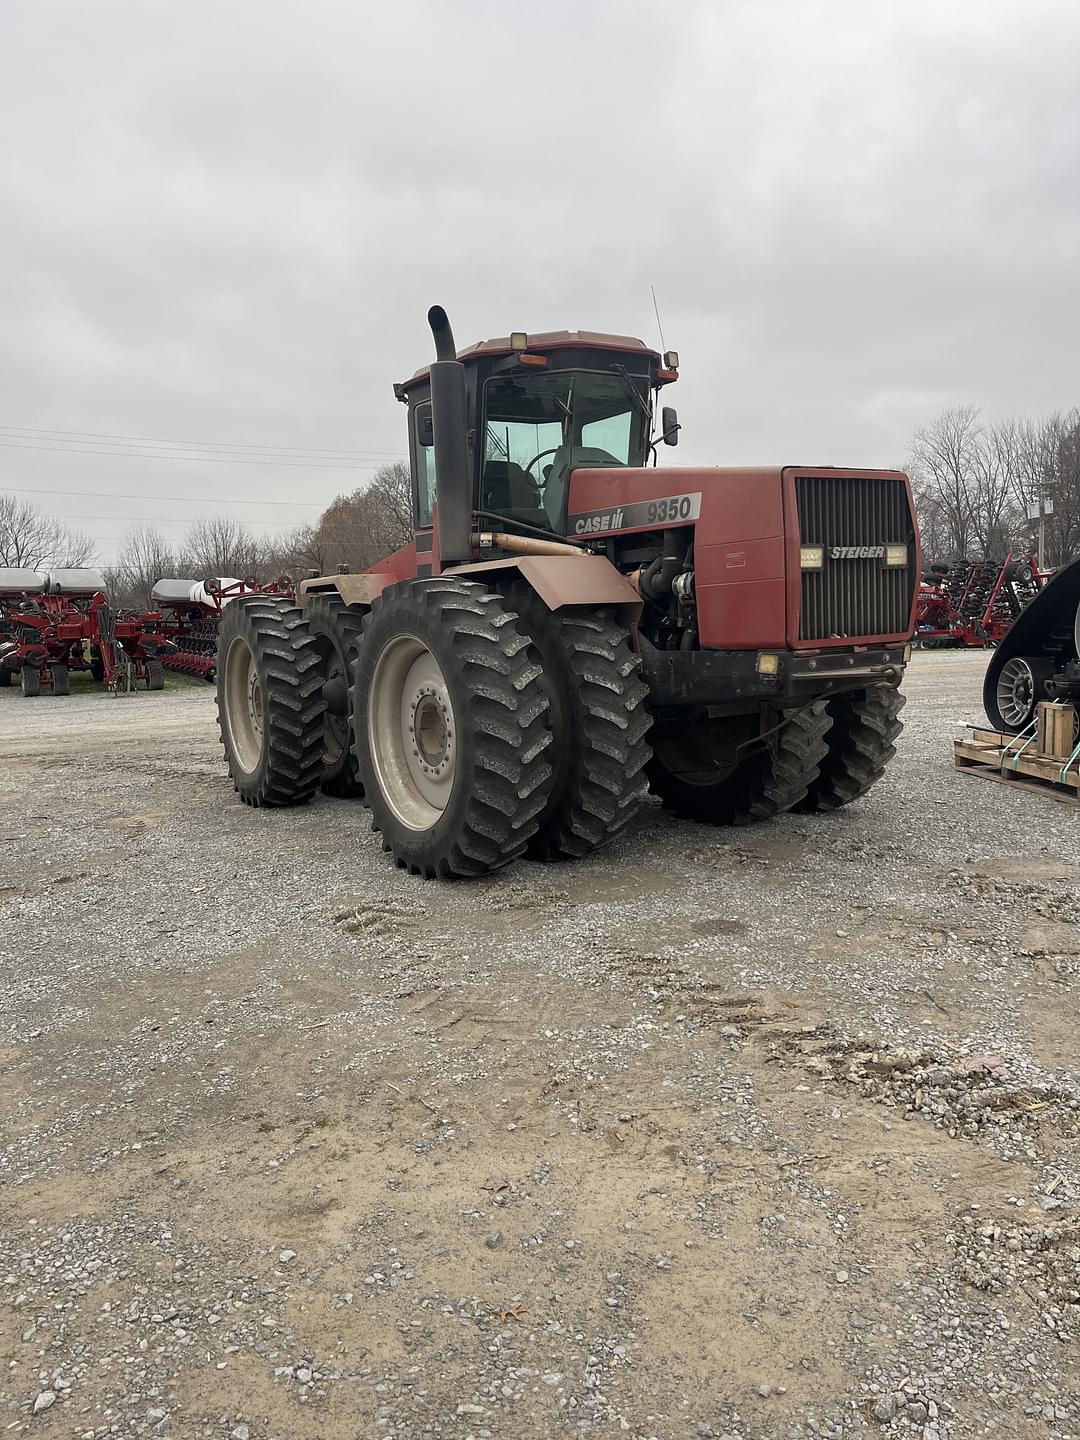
[[974, 482], [354, 530]]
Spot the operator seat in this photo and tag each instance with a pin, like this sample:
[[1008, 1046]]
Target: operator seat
[[508, 489], [565, 459]]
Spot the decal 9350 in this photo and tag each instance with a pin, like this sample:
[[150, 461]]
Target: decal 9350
[[666, 510]]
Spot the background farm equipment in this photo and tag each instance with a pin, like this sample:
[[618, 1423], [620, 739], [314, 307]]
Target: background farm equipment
[[974, 603], [59, 621], [192, 612], [1039, 658]]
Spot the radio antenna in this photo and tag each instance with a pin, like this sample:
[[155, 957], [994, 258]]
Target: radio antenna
[[656, 309]]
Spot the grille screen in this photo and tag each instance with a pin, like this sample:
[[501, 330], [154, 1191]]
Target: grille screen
[[853, 598]]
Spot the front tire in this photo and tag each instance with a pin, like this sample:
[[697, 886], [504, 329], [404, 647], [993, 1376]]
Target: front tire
[[31, 681], [270, 705], [155, 675], [861, 744], [721, 773], [451, 728], [599, 720], [61, 679]]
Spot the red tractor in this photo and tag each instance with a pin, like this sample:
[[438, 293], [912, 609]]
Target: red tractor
[[573, 626]]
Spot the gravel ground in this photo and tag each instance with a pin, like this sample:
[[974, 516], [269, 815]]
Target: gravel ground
[[756, 1133]]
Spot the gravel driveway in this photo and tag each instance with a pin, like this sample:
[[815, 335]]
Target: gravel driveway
[[758, 1133]]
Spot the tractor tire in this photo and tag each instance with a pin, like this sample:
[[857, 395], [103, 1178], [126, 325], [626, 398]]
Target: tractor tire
[[451, 728], [861, 744], [61, 679], [773, 776], [155, 675], [269, 697], [337, 628], [600, 723], [5, 679], [97, 669], [31, 681]]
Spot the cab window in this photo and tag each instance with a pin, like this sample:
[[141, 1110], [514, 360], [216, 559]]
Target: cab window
[[425, 467]]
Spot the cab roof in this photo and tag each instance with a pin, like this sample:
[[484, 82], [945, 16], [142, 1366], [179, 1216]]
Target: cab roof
[[540, 342]]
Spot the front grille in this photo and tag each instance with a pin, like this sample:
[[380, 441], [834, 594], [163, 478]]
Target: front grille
[[854, 598]]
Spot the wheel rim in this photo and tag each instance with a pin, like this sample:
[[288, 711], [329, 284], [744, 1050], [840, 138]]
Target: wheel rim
[[412, 734], [243, 704], [1016, 692], [336, 695]]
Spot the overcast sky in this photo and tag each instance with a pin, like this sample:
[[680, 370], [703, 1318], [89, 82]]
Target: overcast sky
[[223, 223]]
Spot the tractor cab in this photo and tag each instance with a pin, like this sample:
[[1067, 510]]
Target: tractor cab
[[538, 407]]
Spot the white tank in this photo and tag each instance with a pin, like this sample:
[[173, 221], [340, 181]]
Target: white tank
[[173, 592], [22, 582], [75, 582], [202, 596]]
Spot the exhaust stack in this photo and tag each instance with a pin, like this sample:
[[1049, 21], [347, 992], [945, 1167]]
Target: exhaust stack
[[450, 423]]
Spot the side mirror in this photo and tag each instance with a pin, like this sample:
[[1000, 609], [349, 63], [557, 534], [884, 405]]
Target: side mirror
[[425, 428], [669, 425]]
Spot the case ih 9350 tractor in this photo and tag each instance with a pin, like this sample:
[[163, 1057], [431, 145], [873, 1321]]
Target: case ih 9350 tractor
[[572, 626]]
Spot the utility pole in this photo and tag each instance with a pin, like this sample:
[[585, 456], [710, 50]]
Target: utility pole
[[1038, 512]]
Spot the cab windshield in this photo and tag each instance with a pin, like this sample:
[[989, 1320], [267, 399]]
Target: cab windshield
[[539, 427]]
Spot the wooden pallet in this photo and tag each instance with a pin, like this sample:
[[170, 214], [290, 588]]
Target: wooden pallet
[[991, 755]]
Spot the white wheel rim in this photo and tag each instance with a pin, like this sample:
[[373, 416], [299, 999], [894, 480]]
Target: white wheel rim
[[1016, 693], [243, 704], [412, 733]]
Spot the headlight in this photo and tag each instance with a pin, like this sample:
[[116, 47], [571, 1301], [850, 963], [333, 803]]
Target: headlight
[[812, 557], [895, 556], [768, 664]]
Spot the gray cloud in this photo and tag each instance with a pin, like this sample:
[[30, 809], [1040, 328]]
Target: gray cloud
[[225, 221]]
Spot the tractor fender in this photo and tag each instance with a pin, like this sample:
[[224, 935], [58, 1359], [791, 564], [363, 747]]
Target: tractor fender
[[1056, 605], [359, 589], [565, 580]]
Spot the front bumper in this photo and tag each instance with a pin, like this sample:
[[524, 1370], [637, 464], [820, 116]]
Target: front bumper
[[731, 677]]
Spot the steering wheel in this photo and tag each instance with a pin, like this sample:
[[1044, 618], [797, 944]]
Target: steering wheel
[[540, 456]]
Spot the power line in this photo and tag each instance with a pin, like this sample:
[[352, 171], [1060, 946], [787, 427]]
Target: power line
[[179, 499], [202, 459], [161, 520], [46, 433]]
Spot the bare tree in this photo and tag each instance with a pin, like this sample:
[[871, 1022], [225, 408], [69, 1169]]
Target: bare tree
[[942, 465], [30, 540], [358, 529], [995, 482], [144, 558], [391, 507], [297, 552], [1051, 471], [222, 545]]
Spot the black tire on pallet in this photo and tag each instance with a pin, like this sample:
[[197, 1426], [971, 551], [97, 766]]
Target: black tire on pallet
[[599, 721], [451, 728], [155, 675], [270, 705], [337, 628], [861, 744], [61, 679], [753, 783], [31, 680]]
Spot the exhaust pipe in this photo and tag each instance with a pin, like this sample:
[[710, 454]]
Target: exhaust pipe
[[450, 423]]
